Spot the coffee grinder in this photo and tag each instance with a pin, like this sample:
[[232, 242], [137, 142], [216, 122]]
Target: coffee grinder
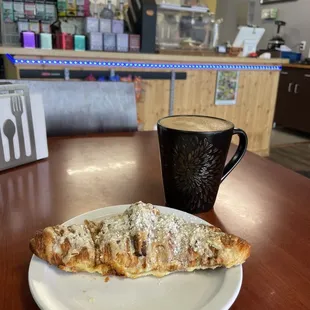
[[277, 39]]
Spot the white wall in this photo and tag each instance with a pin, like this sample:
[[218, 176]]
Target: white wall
[[295, 13]]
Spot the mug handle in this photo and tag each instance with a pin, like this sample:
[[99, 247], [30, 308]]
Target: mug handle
[[241, 149]]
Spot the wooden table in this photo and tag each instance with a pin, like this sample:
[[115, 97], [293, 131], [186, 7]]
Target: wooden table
[[260, 201]]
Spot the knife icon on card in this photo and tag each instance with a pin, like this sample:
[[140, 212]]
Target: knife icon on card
[[2, 161]]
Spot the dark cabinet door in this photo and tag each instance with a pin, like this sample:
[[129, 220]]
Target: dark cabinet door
[[302, 101], [287, 95]]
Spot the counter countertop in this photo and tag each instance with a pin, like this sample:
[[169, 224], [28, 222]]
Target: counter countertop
[[297, 66], [18, 51]]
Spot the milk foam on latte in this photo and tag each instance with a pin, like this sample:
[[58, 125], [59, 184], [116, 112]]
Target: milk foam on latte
[[195, 123]]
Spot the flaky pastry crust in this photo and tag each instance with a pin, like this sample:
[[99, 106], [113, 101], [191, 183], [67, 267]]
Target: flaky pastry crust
[[137, 243]]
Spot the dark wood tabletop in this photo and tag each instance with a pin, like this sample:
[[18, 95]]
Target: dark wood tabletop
[[260, 201]]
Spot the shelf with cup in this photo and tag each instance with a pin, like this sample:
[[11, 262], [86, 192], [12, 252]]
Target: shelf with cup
[[67, 25]]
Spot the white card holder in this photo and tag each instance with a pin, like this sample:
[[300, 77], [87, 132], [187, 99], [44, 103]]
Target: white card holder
[[22, 126]]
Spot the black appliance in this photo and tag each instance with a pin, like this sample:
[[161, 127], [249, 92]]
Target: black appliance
[[142, 16], [277, 40]]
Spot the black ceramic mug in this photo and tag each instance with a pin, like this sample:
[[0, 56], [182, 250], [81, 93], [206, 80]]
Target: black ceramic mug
[[193, 153]]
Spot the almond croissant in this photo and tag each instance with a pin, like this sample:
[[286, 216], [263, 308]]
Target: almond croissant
[[139, 242]]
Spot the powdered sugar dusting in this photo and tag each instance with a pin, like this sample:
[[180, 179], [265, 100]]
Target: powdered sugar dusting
[[155, 239], [166, 235], [78, 236]]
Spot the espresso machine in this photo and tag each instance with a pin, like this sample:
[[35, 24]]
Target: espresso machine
[[277, 39]]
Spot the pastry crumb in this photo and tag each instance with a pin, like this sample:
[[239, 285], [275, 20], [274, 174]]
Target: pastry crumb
[[106, 279], [91, 300]]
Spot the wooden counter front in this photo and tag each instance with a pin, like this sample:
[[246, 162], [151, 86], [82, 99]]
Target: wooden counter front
[[256, 97]]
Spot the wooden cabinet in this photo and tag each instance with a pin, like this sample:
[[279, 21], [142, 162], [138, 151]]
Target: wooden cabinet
[[293, 102]]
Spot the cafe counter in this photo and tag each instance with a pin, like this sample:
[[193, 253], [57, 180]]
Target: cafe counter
[[242, 90]]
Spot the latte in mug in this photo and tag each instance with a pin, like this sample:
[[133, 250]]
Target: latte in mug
[[193, 152], [195, 123]]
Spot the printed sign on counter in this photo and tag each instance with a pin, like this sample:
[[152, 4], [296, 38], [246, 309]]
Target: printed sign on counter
[[226, 87], [22, 127]]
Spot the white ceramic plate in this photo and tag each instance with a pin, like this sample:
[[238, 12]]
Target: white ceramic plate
[[54, 289]]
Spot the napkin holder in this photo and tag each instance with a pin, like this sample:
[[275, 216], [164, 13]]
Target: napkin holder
[[22, 127]]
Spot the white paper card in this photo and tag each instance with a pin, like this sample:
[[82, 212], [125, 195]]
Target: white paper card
[[22, 127]]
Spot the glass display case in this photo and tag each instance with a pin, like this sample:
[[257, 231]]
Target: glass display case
[[186, 27]]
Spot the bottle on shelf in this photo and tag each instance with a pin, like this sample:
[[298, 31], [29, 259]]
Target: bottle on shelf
[[95, 9], [119, 14], [107, 12]]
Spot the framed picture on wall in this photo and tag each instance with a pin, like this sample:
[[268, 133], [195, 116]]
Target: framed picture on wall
[[274, 1]]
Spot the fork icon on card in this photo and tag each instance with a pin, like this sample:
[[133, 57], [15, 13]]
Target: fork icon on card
[[17, 109]]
